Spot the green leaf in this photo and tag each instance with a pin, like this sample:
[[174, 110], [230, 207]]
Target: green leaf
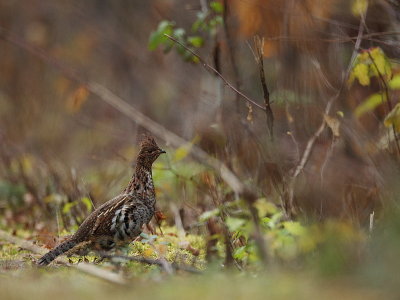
[[195, 59], [154, 40], [265, 220], [369, 104], [214, 22], [275, 220], [240, 253], [196, 41], [394, 84], [217, 7], [158, 37], [87, 202], [294, 228], [234, 224], [67, 207], [208, 215], [200, 22], [265, 208]]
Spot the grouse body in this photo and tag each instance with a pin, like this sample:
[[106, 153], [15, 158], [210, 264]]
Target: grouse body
[[119, 220]]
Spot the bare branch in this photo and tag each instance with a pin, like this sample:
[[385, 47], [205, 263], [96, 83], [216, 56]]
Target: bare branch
[[259, 46]]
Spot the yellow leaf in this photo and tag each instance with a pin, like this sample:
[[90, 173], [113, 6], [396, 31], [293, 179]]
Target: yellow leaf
[[369, 104], [360, 72], [264, 207], [184, 150], [359, 7], [394, 83], [294, 228], [27, 162], [393, 118], [148, 252], [381, 62]]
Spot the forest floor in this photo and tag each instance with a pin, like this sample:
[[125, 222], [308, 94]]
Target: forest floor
[[21, 279]]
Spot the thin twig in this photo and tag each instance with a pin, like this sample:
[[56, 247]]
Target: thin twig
[[84, 267], [259, 46], [213, 70], [371, 221]]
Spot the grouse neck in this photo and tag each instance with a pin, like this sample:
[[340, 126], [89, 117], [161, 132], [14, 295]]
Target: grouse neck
[[141, 182]]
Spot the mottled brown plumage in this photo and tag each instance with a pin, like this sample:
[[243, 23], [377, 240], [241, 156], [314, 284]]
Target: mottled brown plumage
[[119, 220]]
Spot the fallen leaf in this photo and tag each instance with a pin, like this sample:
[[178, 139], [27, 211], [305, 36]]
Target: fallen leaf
[[333, 124]]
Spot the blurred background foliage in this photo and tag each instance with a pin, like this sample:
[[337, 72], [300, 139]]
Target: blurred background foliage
[[333, 212]]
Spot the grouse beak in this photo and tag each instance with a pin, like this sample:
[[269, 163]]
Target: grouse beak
[[162, 151]]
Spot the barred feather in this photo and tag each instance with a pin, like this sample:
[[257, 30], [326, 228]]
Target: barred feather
[[60, 249]]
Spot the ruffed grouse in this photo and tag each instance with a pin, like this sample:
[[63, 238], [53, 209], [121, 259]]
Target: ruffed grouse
[[119, 220]]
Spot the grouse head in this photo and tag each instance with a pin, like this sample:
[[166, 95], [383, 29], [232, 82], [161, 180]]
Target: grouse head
[[149, 151]]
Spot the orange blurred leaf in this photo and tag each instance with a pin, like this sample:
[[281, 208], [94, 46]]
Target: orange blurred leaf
[[160, 215], [77, 99], [161, 249]]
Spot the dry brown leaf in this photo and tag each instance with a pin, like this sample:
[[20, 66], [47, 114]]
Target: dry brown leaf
[[47, 238], [250, 113], [333, 124]]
